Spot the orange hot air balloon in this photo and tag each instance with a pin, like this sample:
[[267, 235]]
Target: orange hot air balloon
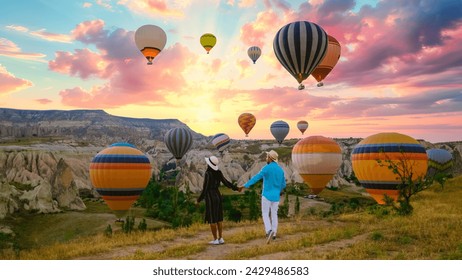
[[119, 174], [246, 122], [316, 158], [150, 40], [328, 62], [377, 178]]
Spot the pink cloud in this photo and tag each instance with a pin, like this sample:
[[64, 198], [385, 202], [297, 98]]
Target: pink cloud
[[156, 7], [10, 49], [9, 83], [134, 82], [43, 101], [255, 33], [83, 63], [42, 34], [243, 65]]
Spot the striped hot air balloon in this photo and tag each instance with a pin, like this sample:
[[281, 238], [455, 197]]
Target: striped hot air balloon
[[119, 174], [208, 41], [300, 46], [246, 121], [279, 129], [150, 40], [317, 159], [329, 61], [220, 141], [254, 53], [376, 177], [439, 161], [178, 140], [302, 126]]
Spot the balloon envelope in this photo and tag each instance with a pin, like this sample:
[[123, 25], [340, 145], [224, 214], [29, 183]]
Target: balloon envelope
[[300, 46], [302, 126], [254, 53], [208, 41], [119, 174], [150, 40], [246, 121], [400, 149], [279, 129], [178, 141], [439, 161], [329, 61], [220, 141], [317, 159]]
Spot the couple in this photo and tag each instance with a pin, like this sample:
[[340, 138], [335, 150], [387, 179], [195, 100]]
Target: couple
[[273, 183]]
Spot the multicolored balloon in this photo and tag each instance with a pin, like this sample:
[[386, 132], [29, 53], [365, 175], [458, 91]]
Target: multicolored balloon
[[150, 40], [279, 129], [302, 126], [254, 53], [119, 174], [220, 141], [317, 159], [246, 121], [439, 161], [300, 46], [329, 61], [376, 177], [208, 41], [178, 141]]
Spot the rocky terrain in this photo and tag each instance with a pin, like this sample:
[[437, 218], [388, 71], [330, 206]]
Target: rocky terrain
[[51, 174]]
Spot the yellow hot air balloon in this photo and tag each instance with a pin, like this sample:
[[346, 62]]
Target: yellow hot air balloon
[[377, 178], [119, 174], [246, 121], [208, 41], [328, 62], [316, 158], [150, 40]]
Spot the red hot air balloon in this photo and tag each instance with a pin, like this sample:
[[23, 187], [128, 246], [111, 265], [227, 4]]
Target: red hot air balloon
[[246, 121]]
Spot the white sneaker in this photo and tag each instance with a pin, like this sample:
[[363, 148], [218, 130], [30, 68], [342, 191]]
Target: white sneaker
[[221, 241], [214, 242], [269, 237]]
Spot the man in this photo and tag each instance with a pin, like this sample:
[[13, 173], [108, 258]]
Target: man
[[273, 183]]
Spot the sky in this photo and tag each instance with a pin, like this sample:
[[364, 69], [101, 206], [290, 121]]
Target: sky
[[400, 69]]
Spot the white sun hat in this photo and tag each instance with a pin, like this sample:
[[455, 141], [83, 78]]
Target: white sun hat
[[212, 162]]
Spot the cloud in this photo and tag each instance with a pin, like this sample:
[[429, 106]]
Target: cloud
[[10, 49], [87, 5], [155, 7], [43, 101], [42, 34], [255, 33], [9, 83]]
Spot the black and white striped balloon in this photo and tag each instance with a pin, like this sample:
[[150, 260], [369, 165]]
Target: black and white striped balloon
[[300, 46], [178, 141]]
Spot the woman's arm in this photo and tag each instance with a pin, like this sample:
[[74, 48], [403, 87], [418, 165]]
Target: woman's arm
[[205, 186], [227, 183]]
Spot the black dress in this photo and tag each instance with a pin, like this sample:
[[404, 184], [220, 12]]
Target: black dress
[[212, 196]]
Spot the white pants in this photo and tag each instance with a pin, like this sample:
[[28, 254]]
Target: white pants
[[268, 207]]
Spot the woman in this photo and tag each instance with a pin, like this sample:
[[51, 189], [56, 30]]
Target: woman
[[213, 200]]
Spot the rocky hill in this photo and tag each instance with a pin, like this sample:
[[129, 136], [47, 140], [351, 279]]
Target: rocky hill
[[51, 174]]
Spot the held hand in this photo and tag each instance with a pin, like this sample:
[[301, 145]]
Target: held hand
[[240, 188]]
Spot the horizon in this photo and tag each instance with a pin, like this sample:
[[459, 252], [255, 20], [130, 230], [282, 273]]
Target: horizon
[[396, 73]]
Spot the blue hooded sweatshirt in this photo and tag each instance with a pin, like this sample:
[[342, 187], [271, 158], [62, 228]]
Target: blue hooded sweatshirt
[[273, 181]]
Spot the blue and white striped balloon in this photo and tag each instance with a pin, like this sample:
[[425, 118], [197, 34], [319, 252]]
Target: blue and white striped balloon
[[279, 129], [300, 46], [254, 53], [220, 141]]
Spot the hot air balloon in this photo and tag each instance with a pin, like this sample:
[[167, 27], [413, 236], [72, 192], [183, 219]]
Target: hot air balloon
[[178, 140], [316, 158], [220, 141], [302, 126], [150, 40], [376, 177], [119, 174], [246, 121], [329, 61], [208, 41], [300, 46], [279, 129], [254, 53], [439, 161]]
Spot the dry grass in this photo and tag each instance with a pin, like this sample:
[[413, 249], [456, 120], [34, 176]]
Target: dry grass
[[431, 232]]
